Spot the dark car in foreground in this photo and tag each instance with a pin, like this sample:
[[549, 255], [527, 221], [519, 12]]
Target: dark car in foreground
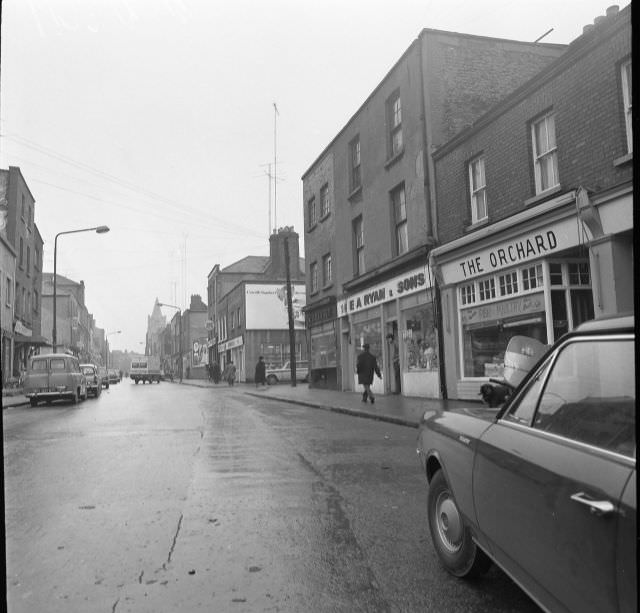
[[545, 486]]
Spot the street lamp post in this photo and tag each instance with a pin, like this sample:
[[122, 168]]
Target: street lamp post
[[98, 230], [179, 331], [106, 348]]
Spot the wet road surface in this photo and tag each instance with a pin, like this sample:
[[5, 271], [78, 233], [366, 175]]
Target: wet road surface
[[175, 498]]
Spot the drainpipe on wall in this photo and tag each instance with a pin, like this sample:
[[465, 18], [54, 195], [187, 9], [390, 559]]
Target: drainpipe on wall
[[429, 174]]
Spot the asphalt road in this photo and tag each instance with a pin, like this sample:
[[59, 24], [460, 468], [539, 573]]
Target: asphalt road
[[174, 498]]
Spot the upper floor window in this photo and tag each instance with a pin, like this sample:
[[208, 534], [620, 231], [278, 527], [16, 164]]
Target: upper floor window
[[394, 117], [354, 164], [545, 154], [626, 99], [477, 190], [29, 218], [23, 219], [314, 277], [358, 246], [312, 211], [8, 292], [21, 252], [326, 270], [324, 200], [399, 206], [35, 300], [28, 260]]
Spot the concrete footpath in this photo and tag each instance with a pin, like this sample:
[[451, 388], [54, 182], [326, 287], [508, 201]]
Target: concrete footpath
[[394, 409]]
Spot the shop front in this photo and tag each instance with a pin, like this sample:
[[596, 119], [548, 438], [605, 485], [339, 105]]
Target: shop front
[[533, 275], [321, 321], [233, 351], [395, 317]]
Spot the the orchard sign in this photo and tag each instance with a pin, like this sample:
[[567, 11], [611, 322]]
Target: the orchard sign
[[402, 285]]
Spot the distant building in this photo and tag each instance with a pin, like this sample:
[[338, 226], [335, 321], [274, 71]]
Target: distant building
[[535, 208], [22, 337], [194, 328], [156, 323], [248, 307]]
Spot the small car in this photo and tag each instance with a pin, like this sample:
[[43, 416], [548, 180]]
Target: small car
[[54, 376], [94, 380], [275, 375], [113, 376], [104, 376], [545, 486]]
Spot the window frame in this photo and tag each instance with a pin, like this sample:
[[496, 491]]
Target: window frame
[[394, 118], [327, 270], [550, 153], [398, 199], [312, 211], [476, 190], [313, 277], [357, 227], [355, 164], [325, 204], [627, 91]]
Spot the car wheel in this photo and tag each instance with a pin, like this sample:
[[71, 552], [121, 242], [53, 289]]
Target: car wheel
[[33, 402], [272, 379], [451, 537]]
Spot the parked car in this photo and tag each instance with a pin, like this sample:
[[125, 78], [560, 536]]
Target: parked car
[[54, 376], [114, 377], [93, 378], [104, 376], [545, 486], [275, 375]]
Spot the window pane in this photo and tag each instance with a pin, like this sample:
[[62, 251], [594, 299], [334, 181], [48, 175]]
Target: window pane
[[590, 395]]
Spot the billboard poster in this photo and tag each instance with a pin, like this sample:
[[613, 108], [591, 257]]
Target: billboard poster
[[266, 306]]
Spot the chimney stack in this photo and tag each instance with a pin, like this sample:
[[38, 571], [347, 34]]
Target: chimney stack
[[612, 11], [276, 249]]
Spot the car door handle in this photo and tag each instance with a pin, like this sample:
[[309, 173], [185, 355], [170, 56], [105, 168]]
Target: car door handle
[[597, 507]]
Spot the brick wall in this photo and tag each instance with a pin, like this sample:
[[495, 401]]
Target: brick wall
[[586, 98]]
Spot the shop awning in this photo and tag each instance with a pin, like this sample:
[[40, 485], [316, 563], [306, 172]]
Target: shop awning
[[36, 340]]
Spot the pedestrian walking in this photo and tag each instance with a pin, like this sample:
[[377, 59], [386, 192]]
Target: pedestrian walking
[[366, 365], [261, 372], [231, 373], [215, 372]]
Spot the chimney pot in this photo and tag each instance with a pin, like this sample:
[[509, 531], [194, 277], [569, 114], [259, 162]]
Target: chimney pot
[[599, 19], [587, 28], [612, 10]]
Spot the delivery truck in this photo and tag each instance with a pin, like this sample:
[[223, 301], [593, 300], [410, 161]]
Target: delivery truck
[[146, 369]]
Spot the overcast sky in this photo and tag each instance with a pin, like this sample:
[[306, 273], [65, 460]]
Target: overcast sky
[[156, 118]]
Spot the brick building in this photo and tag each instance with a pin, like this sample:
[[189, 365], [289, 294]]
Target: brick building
[[22, 336], [370, 214], [535, 208], [194, 320], [247, 307]]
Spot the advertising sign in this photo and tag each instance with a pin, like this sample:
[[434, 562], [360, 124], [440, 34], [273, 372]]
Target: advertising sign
[[267, 306]]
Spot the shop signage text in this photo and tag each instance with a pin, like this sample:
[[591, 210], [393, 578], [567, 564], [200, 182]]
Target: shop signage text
[[320, 315], [503, 310], [402, 285], [512, 253], [234, 342]]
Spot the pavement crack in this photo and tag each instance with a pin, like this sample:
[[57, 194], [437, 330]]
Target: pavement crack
[[140, 577], [173, 544], [115, 604]]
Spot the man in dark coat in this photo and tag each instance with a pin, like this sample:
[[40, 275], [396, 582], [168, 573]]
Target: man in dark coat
[[261, 372], [366, 365]]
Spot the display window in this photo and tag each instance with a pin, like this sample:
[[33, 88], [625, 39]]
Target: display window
[[369, 332], [323, 350], [420, 339]]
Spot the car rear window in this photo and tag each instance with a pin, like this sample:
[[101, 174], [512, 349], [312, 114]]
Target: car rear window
[[87, 370], [57, 363], [39, 365]]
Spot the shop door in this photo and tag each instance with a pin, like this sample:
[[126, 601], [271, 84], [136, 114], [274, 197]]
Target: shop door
[[392, 364]]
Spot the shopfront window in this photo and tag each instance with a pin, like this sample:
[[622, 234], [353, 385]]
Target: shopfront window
[[323, 350], [485, 343], [420, 339], [368, 332]]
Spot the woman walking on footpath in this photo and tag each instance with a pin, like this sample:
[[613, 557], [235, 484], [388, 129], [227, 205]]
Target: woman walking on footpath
[[261, 372], [231, 373], [366, 365]]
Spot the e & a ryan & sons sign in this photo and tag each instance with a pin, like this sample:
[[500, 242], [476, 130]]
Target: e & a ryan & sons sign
[[398, 287]]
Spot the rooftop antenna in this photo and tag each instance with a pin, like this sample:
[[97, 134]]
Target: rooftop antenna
[[275, 167], [537, 40]]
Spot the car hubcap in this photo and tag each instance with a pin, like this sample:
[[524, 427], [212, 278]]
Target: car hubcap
[[449, 523]]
